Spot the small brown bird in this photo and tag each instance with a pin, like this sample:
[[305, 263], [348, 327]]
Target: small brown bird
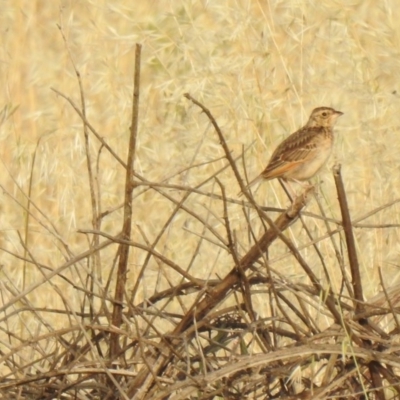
[[302, 154]]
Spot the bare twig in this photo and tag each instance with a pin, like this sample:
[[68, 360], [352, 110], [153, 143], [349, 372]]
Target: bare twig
[[243, 281], [127, 223], [90, 126], [351, 246], [221, 139]]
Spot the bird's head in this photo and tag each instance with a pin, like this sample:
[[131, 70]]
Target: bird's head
[[323, 116]]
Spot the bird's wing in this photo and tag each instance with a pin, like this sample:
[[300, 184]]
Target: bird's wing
[[294, 150]]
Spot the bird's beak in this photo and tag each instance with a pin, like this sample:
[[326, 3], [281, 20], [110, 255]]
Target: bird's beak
[[336, 115]]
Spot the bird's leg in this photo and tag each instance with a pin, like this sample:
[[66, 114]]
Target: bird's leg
[[304, 184], [288, 189]]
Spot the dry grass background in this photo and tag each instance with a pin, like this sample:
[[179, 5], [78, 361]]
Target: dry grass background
[[259, 66]]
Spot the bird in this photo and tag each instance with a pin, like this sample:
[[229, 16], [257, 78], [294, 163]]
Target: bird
[[303, 153]]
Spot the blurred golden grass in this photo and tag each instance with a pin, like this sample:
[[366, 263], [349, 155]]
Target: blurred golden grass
[[260, 67]]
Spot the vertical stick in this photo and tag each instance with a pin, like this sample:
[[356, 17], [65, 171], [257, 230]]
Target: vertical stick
[[351, 247], [127, 224]]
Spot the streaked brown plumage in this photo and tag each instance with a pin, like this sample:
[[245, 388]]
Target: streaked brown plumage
[[302, 154]]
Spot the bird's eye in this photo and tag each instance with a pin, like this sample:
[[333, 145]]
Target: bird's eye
[[324, 114]]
